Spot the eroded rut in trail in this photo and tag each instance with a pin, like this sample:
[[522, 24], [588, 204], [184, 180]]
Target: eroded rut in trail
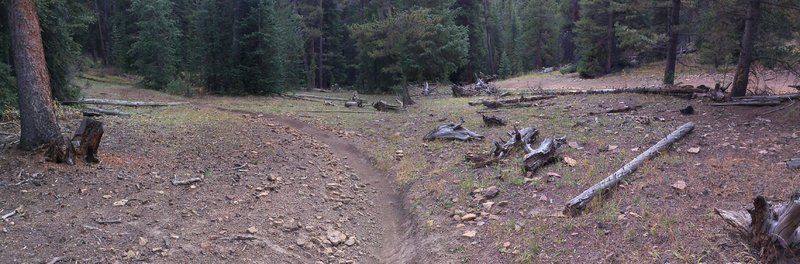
[[394, 221]]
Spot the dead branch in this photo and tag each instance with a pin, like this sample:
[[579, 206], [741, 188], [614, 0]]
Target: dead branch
[[542, 155], [12, 213], [96, 101], [779, 109], [575, 206], [502, 148], [107, 221], [57, 259], [93, 111], [452, 131], [770, 228], [322, 97], [189, 181]]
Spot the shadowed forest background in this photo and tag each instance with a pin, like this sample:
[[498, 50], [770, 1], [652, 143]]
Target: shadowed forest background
[[268, 46]]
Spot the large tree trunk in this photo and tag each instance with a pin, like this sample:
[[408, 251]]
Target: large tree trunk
[[672, 45], [489, 45], [38, 121], [568, 39], [610, 43], [741, 79], [321, 82]]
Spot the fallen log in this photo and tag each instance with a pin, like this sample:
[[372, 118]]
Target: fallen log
[[683, 91], [452, 131], [770, 228], [385, 107], [501, 148], [793, 164], [575, 206], [96, 101], [521, 99], [177, 182], [782, 97], [542, 155], [493, 121], [321, 97], [93, 111]]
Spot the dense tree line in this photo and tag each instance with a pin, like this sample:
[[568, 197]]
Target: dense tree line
[[266, 46]]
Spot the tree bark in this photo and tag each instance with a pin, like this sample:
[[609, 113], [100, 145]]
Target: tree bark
[[609, 39], [575, 206], [672, 45], [741, 79], [38, 121], [770, 228]]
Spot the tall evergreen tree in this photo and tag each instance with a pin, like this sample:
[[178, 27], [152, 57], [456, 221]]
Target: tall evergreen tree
[[155, 45]]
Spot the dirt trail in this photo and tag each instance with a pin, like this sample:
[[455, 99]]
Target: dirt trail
[[394, 220]]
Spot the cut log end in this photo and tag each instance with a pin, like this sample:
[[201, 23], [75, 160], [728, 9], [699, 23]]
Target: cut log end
[[770, 228]]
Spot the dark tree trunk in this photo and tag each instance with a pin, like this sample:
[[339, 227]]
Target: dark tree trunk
[[672, 45], [568, 38], [742, 76], [609, 39], [489, 45], [38, 121], [321, 81]]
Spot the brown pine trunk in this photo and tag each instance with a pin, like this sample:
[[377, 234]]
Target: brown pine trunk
[[741, 79], [672, 45], [38, 122], [321, 82], [489, 46], [609, 39]]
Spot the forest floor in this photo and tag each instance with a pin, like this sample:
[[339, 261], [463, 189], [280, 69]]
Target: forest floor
[[290, 181]]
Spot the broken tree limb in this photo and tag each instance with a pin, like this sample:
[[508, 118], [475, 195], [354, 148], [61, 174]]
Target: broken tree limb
[[770, 228], [12, 213], [782, 97], [189, 181], [575, 206], [463, 91], [452, 131], [542, 155], [321, 97], [96, 101], [56, 259], [93, 111], [501, 148]]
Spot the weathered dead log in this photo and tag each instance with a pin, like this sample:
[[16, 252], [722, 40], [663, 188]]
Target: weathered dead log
[[782, 97], [177, 182], [385, 107], [463, 91], [793, 164], [322, 97], [93, 111], [542, 155], [353, 104], [618, 110], [770, 228], [96, 101], [668, 90], [493, 121], [521, 99], [452, 131], [518, 140], [575, 206]]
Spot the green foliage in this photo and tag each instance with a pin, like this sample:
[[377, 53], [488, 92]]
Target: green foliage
[[62, 22], [179, 87], [414, 45], [8, 88], [569, 68], [155, 45]]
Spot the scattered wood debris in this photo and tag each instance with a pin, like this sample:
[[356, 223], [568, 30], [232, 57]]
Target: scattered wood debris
[[94, 111], [177, 182], [575, 206], [542, 155], [385, 107], [793, 164], [618, 110], [452, 131], [770, 228]]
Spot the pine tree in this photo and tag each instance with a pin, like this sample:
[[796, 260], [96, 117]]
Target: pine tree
[[156, 42]]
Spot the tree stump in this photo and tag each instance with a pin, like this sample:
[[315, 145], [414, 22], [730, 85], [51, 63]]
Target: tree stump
[[771, 228], [544, 154], [87, 140]]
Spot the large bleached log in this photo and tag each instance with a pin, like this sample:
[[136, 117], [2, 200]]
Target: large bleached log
[[576, 205], [96, 101]]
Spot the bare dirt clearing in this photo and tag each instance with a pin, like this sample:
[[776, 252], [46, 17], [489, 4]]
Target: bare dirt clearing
[[284, 180]]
